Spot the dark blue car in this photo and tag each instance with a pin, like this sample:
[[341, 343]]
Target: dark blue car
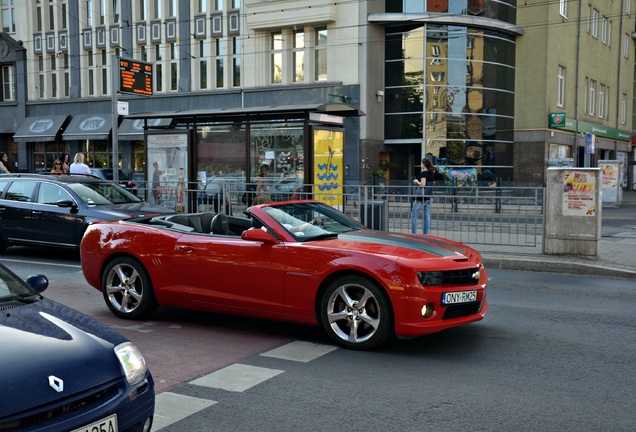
[[54, 210], [65, 371]]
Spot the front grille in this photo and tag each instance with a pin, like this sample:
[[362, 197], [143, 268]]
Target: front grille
[[57, 411], [449, 277], [463, 309]]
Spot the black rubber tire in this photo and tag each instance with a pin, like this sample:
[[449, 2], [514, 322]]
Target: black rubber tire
[[127, 289], [356, 313]]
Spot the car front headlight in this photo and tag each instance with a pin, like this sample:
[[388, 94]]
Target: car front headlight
[[132, 362], [431, 278]]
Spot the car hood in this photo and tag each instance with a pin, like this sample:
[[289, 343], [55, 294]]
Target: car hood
[[44, 339], [136, 209], [401, 245]]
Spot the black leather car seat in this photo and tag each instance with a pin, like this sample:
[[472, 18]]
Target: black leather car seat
[[220, 225]]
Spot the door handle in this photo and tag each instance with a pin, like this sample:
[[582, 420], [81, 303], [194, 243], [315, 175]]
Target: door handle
[[186, 249]]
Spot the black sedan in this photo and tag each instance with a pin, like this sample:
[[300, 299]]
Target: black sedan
[[54, 210], [65, 371]]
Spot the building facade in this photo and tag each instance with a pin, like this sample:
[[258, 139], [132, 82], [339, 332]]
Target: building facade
[[575, 86], [469, 83]]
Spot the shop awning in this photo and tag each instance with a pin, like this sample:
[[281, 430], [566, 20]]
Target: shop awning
[[36, 129], [131, 130], [88, 126], [231, 114]]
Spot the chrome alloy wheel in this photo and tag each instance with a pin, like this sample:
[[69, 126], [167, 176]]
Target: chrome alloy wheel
[[353, 313], [124, 288]]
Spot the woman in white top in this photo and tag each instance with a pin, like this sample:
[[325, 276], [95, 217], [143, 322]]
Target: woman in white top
[[78, 166]]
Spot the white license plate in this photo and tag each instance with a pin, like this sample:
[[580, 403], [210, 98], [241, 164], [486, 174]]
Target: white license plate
[[459, 297], [108, 424]]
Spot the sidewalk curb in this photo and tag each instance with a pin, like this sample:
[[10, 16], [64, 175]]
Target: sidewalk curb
[[555, 265]]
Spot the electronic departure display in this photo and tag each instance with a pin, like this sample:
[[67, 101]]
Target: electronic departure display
[[135, 77]]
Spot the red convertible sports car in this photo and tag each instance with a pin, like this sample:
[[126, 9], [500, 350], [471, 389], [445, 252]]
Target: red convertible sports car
[[300, 261]]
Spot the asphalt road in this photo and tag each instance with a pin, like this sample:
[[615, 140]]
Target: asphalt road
[[555, 352]]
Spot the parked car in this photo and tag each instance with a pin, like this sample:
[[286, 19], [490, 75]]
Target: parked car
[[65, 371], [54, 210], [300, 261], [123, 180]]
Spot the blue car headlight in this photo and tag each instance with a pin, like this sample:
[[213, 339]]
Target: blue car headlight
[[132, 362]]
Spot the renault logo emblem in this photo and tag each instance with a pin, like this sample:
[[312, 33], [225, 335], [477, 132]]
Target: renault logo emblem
[[56, 384], [476, 275]]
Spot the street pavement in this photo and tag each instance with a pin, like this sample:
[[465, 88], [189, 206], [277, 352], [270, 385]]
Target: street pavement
[[617, 257]]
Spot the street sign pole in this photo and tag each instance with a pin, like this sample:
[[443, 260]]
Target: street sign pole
[[115, 116]]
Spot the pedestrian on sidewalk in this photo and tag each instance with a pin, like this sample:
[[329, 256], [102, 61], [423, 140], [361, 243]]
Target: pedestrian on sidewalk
[[422, 200]]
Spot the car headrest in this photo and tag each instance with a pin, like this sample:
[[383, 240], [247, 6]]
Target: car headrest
[[220, 224]]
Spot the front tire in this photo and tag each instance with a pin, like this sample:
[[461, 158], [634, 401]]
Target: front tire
[[356, 313], [127, 289]]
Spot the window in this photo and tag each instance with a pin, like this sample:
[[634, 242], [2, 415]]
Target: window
[[102, 12], [172, 8], [218, 5], [561, 87], [220, 63], [438, 76], [563, 8], [7, 14], [204, 47], [592, 98], [276, 58], [624, 109], [143, 10], [8, 83], [626, 46], [174, 69], [593, 24], [601, 100], [236, 62], [435, 50], [49, 193], [320, 63], [628, 7], [606, 31], [299, 56], [89, 13]]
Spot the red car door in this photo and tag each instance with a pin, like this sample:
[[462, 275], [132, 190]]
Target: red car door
[[231, 273]]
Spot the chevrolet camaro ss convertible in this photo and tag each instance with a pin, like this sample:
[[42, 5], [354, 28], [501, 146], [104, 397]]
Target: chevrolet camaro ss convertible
[[300, 261]]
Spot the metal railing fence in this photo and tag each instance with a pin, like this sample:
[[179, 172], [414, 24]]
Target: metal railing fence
[[510, 216]]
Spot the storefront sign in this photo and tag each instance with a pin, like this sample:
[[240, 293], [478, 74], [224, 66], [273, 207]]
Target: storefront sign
[[556, 120]]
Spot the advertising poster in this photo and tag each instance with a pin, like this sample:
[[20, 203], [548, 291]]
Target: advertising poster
[[168, 169], [329, 167], [610, 182], [579, 193]]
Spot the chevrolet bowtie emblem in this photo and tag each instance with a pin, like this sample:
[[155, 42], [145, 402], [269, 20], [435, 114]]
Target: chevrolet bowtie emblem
[[56, 384], [476, 275]]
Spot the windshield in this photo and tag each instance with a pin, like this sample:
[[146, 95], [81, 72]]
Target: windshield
[[11, 286], [103, 193], [311, 221]]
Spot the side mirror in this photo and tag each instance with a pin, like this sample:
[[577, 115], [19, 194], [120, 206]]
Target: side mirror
[[38, 282], [258, 235], [66, 203]]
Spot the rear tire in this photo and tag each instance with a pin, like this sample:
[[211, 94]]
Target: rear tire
[[127, 289]]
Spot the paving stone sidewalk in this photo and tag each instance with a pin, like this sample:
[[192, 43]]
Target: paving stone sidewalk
[[618, 251]]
